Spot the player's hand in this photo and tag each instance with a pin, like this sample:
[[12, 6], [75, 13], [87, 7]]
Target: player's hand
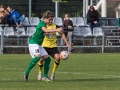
[[69, 46], [50, 33], [47, 33], [60, 30]]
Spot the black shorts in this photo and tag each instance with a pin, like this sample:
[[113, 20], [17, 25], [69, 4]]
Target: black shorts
[[52, 51]]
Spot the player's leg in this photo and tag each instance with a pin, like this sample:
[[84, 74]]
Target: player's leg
[[46, 63], [40, 68], [56, 62], [55, 66], [46, 68], [40, 65], [35, 53], [55, 55]]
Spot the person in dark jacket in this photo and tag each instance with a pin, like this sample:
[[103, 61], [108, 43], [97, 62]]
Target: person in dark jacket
[[92, 18], [67, 24], [15, 17]]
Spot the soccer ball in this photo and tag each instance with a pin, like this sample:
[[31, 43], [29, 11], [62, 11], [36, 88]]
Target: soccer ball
[[64, 55]]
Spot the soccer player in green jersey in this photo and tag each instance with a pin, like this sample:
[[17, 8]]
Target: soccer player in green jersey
[[35, 48]]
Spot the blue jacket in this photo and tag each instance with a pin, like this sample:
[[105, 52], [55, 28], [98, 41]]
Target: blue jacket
[[13, 13]]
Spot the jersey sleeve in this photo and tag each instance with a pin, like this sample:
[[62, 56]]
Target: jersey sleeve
[[40, 25]]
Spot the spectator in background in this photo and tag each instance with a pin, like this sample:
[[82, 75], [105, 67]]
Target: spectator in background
[[14, 17], [4, 14], [1, 12], [67, 25], [92, 18]]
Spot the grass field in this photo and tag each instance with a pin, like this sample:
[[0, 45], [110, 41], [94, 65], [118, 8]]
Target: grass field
[[79, 72]]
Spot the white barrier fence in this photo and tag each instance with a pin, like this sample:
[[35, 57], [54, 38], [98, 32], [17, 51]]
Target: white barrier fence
[[109, 42]]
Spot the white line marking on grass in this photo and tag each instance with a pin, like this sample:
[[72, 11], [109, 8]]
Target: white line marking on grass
[[106, 76], [100, 75], [5, 79], [12, 68]]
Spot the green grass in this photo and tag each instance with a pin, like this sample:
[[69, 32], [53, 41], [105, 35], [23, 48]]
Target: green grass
[[79, 72]]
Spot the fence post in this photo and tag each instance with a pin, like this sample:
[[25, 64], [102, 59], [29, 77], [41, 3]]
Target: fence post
[[103, 43], [1, 49], [30, 8]]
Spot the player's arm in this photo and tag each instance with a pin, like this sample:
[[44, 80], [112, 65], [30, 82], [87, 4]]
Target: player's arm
[[49, 31]]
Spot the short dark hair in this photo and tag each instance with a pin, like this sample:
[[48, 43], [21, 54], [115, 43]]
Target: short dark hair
[[48, 14], [9, 6], [91, 7]]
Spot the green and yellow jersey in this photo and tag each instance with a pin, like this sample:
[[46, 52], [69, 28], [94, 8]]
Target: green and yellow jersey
[[50, 42], [38, 36]]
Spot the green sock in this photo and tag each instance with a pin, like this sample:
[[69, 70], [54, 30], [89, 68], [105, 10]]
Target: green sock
[[32, 64], [46, 66]]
